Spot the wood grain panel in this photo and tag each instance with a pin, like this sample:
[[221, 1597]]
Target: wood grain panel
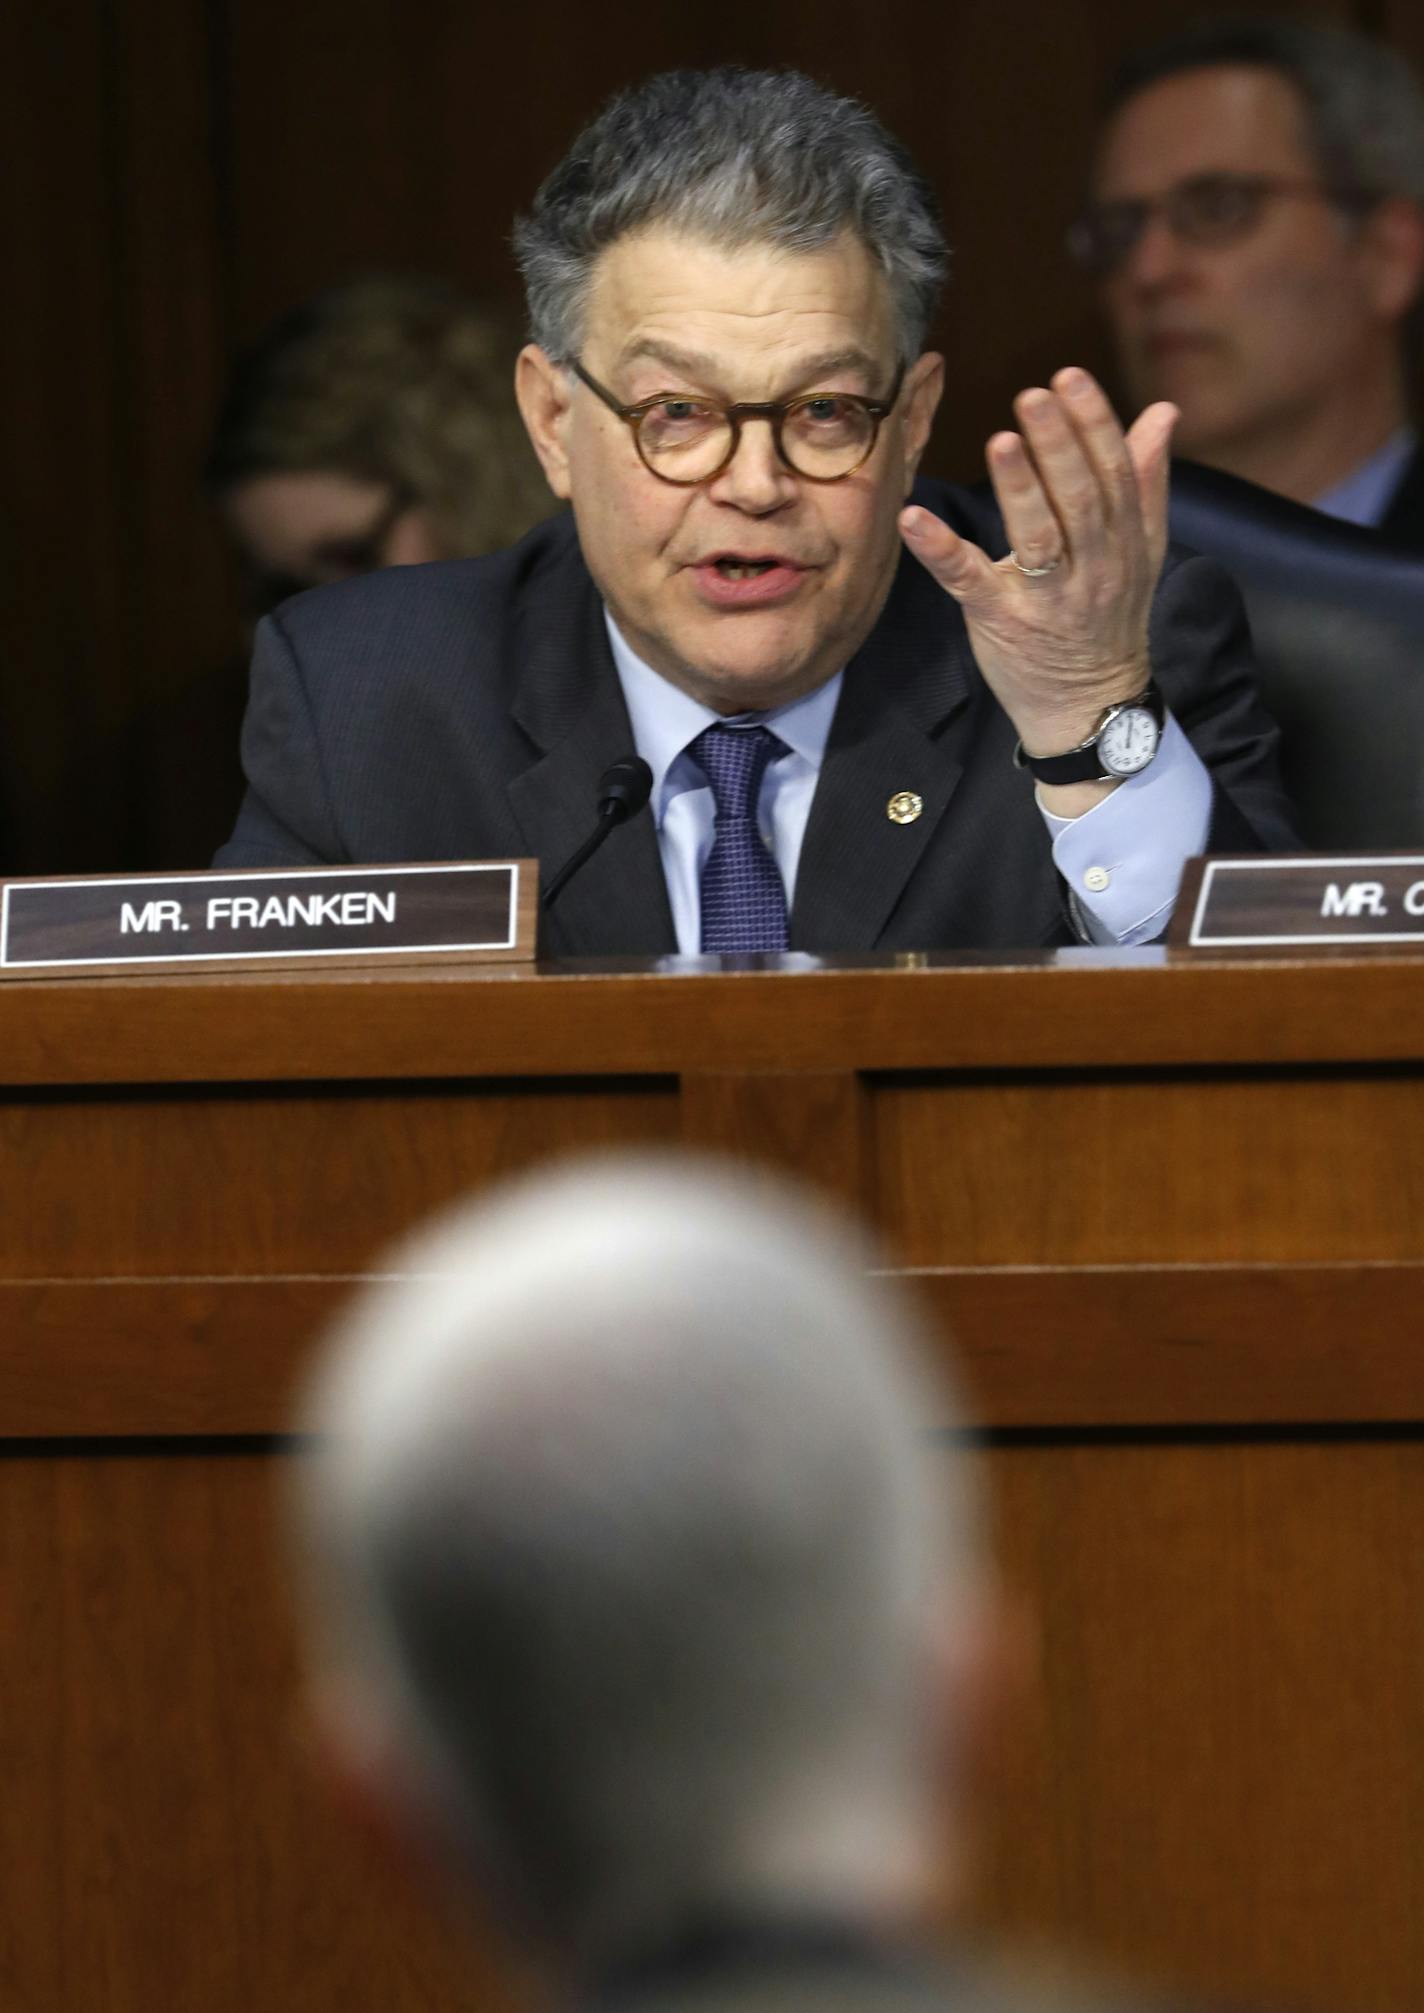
[[165, 1838], [1397, 22], [111, 360], [814, 1126], [1181, 1346], [1215, 1777], [62, 571], [1227, 1716], [1087, 1010], [1067, 1170], [178, 612], [1128, 1346], [120, 1358], [289, 1183]]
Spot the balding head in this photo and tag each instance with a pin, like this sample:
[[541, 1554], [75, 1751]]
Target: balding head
[[630, 1551]]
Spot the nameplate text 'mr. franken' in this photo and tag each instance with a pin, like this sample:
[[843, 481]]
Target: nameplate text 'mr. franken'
[[469, 909]]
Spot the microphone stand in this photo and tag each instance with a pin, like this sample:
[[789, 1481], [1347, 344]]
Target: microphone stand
[[623, 790]]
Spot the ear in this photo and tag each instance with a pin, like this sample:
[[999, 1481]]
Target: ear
[[1392, 248], [924, 386], [360, 1776], [984, 1659], [543, 391], [365, 1775]]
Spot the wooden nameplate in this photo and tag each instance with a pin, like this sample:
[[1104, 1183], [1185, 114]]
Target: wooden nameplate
[[1320, 900], [467, 911]]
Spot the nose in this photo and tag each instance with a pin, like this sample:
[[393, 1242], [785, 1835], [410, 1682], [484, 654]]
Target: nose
[[756, 479], [1156, 259]]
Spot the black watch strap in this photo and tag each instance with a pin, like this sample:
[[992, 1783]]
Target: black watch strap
[[1083, 763]]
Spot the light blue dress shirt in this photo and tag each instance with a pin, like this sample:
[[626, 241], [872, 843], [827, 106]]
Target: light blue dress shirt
[[1122, 860], [1367, 492]]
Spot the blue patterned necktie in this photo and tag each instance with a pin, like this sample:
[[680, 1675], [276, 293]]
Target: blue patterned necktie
[[743, 899]]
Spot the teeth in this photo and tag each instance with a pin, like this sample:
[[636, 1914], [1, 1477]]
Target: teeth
[[744, 570]]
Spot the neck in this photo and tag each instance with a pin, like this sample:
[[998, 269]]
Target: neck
[[890, 1894], [1301, 456]]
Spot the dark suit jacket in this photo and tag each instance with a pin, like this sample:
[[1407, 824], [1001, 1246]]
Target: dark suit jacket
[[466, 711], [1403, 523], [846, 1974]]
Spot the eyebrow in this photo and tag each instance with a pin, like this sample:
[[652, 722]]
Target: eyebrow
[[698, 364]]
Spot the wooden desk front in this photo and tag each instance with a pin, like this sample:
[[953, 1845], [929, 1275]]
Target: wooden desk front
[[1173, 1213]]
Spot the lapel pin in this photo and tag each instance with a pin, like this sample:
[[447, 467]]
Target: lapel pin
[[904, 807]]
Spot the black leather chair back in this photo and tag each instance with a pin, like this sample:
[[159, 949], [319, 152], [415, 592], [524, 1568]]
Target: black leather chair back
[[1338, 620]]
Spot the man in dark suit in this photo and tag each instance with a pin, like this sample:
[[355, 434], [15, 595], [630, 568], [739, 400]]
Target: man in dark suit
[[1257, 225], [958, 723], [640, 1606]]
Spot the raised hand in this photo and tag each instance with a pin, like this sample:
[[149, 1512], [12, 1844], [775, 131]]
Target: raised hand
[[1060, 629]]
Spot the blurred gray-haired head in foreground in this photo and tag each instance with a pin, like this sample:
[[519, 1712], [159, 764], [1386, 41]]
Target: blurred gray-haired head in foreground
[[632, 1573]]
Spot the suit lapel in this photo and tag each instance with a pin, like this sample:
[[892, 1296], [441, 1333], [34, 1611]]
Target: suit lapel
[[570, 705], [891, 735], [903, 695]]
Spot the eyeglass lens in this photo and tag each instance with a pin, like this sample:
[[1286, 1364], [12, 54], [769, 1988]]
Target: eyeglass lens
[[686, 440], [1207, 210]]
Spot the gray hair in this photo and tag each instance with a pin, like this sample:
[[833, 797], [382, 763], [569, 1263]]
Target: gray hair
[[1362, 103], [628, 1530], [738, 157]]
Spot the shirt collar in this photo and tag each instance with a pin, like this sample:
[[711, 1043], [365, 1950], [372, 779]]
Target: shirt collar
[[1367, 492], [665, 718]]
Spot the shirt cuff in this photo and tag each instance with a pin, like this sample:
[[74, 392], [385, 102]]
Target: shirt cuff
[[1122, 861]]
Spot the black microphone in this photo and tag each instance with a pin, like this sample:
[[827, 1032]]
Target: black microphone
[[623, 789]]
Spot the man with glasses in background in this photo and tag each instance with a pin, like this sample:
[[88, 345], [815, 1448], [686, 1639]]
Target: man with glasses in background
[[1257, 226], [868, 726]]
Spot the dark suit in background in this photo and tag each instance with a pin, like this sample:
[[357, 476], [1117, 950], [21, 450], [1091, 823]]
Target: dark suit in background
[[466, 711], [1403, 522], [778, 1970]]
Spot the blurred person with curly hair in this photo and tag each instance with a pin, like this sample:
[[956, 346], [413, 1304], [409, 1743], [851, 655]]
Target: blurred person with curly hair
[[374, 425]]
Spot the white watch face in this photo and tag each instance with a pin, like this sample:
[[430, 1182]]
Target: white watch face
[[1129, 741]]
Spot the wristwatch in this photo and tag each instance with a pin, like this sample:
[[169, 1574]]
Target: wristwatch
[[1122, 744]]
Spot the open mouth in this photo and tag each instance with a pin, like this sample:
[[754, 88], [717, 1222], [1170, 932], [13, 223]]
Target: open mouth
[[748, 579], [744, 569]]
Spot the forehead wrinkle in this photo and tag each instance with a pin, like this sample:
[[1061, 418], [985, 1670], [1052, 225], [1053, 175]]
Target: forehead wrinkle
[[701, 363], [696, 297]]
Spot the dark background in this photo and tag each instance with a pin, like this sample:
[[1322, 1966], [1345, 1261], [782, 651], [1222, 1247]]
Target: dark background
[[180, 170]]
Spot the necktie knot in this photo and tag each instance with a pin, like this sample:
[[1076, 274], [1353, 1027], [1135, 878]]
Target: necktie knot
[[734, 760]]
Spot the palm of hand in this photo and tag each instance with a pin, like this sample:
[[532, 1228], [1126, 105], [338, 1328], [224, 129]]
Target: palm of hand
[[1080, 496]]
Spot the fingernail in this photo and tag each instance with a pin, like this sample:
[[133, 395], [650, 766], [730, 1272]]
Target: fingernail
[[1074, 381]]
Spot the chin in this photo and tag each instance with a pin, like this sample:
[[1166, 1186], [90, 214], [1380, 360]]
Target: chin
[[767, 678], [753, 688], [1202, 434], [743, 668]]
